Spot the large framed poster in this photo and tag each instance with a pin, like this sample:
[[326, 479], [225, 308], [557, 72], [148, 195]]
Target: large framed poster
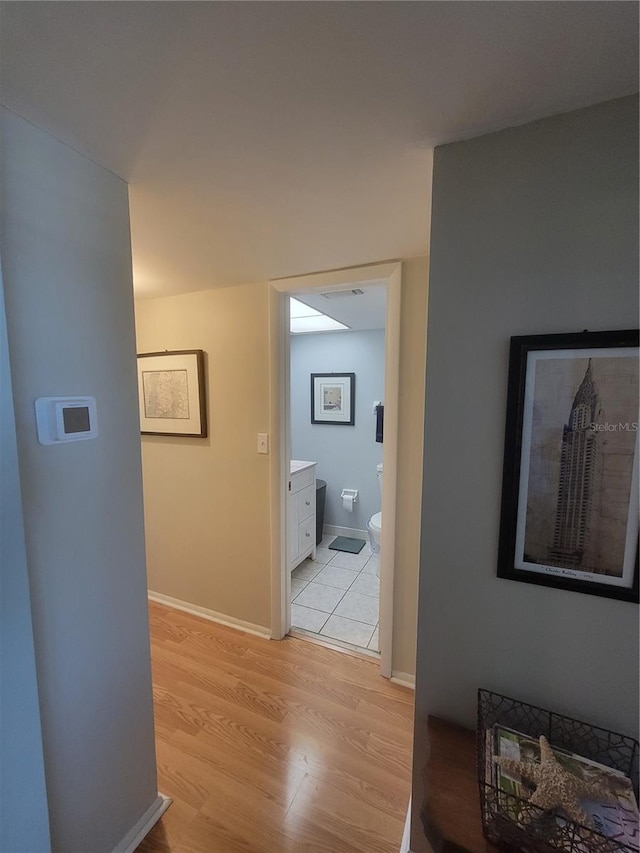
[[570, 478]]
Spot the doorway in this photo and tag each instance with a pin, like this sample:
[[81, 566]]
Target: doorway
[[388, 277], [337, 345]]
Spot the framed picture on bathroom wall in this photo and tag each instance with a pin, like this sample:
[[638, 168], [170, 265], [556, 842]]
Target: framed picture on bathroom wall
[[333, 398], [570, 479], [171, 393]]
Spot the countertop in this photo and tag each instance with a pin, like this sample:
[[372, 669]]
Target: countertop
[[299, 465]]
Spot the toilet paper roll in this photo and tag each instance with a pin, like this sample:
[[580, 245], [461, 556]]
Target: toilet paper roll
[[347, 502]]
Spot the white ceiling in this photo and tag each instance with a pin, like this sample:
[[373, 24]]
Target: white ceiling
[[268, 139], [358, 311]]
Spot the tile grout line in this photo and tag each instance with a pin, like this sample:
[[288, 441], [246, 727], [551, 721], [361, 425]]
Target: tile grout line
[[348, 589], [344, 592], [333, 613], [351, 619]]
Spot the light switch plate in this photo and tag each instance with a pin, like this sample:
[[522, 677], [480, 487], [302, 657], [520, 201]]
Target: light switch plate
[[263, 442]]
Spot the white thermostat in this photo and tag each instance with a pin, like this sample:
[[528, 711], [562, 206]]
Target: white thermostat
[[62, 419]]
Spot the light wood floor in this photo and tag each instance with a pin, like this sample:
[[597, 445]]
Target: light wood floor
[[274, 747]]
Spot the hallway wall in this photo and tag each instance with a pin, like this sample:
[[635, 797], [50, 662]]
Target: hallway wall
[[535, 230], [24, 816], [66, 259], [207, 499]]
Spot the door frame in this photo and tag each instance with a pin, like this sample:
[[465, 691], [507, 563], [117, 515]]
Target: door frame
[[389, 274]]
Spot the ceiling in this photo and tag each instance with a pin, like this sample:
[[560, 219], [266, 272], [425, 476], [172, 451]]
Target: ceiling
[[269, 139], [359, 306]]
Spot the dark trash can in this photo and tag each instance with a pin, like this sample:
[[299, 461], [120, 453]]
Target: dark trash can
[[321, 493]]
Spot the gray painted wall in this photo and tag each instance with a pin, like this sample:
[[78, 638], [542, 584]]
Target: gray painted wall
[[24, 818], [534, 230], [346, 455], [68, 293]]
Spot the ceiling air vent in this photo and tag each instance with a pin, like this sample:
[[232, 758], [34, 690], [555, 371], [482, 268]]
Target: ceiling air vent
[[336, 294]]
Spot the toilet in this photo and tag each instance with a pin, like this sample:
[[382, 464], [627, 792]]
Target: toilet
[[374, 525]]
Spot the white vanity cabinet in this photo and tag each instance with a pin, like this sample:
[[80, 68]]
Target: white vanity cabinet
[[301, 512]]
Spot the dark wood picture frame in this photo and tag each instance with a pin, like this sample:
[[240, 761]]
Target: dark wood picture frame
[[171, 391], [571, 450], [333, 398]]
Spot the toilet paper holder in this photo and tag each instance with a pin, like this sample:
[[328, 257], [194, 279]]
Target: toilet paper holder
[[349, 497]]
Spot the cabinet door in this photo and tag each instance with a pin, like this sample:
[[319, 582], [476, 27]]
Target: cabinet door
[[292, 527], [306, 535], [306, 503]]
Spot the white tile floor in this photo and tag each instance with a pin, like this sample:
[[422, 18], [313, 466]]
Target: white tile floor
[[337, 596]]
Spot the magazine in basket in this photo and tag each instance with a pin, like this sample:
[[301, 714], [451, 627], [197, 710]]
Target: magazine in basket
[[613, 815]]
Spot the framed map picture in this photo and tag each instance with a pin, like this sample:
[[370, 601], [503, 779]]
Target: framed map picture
[[171, 393]]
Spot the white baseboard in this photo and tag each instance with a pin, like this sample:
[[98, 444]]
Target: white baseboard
[[403, 678], [205, 613], [406, 835], [332, 530], [144, 826]]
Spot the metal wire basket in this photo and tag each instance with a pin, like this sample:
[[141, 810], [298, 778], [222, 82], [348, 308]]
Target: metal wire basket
[[512, 822]]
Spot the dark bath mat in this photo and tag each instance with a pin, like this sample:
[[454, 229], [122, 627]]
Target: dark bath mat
[[348, 544]]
